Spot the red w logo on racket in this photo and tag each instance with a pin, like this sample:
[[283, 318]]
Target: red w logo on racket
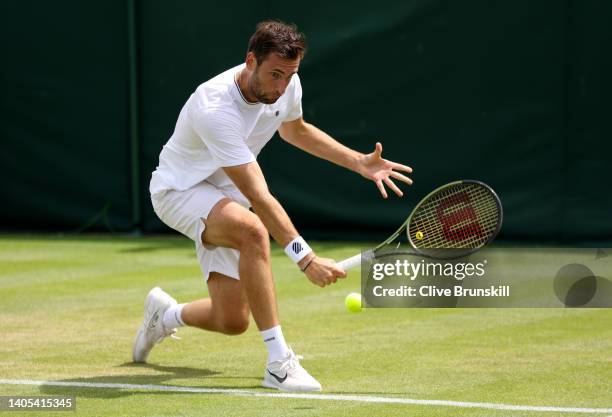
[[451, 218]]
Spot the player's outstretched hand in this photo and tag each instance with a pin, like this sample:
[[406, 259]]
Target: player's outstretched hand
[[324, 271], [373, 167]]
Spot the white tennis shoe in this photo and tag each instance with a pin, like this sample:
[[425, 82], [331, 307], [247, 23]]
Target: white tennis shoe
[[288, 375], [152, 330]]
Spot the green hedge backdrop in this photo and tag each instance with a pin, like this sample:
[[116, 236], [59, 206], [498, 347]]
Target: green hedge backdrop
[[516, 94]]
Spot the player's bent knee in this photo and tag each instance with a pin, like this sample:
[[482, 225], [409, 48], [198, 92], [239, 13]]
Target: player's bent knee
[[235, 326], [254, 235]]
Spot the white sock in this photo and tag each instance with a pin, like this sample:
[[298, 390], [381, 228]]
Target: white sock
[[172, 317], [275, 342]]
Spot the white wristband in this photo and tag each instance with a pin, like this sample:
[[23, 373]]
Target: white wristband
[[297, 249]]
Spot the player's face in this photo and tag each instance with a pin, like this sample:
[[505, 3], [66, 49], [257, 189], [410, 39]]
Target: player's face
[[271, 78]]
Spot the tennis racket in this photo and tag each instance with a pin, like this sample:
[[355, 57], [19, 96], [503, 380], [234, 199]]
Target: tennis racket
[[452, 221]]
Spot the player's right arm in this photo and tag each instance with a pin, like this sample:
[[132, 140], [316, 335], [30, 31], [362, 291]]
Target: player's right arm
[[251, 182], [220, 128]]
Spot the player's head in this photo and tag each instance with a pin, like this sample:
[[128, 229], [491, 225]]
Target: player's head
[[272, 36], [274, 55]]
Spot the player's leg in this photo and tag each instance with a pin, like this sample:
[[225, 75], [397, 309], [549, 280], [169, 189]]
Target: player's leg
[[184, 212], [250, 285], [233, 242], [230, 240], [231, 225], [242, 252], [225, 311]]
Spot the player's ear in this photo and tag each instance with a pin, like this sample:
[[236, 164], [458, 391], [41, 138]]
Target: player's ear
[[251, 61]]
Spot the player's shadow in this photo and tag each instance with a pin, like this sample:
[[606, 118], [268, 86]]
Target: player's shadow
[[206, 376]]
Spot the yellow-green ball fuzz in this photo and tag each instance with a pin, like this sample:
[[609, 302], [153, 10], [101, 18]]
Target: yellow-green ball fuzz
[[352, 302]]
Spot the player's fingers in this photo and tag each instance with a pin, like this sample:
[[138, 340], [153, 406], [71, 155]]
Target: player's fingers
[[381, 188], [335, 270], [400, 167], [394, 187], [401, 177], [336, 275], [378, 149], [318, 282]]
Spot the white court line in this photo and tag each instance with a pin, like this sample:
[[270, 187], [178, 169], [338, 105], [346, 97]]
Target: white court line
[[329, 397]]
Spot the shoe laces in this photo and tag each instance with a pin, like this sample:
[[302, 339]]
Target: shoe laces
[[166, 333], [292, 363]]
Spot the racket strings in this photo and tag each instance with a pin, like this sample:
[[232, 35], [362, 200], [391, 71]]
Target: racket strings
[[461, 216], [465, 223], [459, 226]]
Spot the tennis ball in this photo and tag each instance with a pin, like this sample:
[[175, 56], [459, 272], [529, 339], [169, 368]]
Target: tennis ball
[[352, 302], [419, 235]]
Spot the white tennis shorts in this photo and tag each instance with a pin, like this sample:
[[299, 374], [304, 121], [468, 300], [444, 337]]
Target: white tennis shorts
[[185, 211]]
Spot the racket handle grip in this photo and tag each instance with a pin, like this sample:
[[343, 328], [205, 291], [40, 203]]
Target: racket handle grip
[[350, 263]]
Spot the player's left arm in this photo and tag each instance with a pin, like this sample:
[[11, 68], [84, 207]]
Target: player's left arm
[[372, 166]]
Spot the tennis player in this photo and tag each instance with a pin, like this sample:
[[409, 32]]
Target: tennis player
[[209, 187]]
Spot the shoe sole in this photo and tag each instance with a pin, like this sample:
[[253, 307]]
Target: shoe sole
[[140, 331]]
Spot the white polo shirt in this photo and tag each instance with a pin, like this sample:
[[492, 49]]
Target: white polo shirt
[[218, 128]]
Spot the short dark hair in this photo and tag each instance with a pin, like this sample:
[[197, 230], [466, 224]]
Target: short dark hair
[[278, 37]]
